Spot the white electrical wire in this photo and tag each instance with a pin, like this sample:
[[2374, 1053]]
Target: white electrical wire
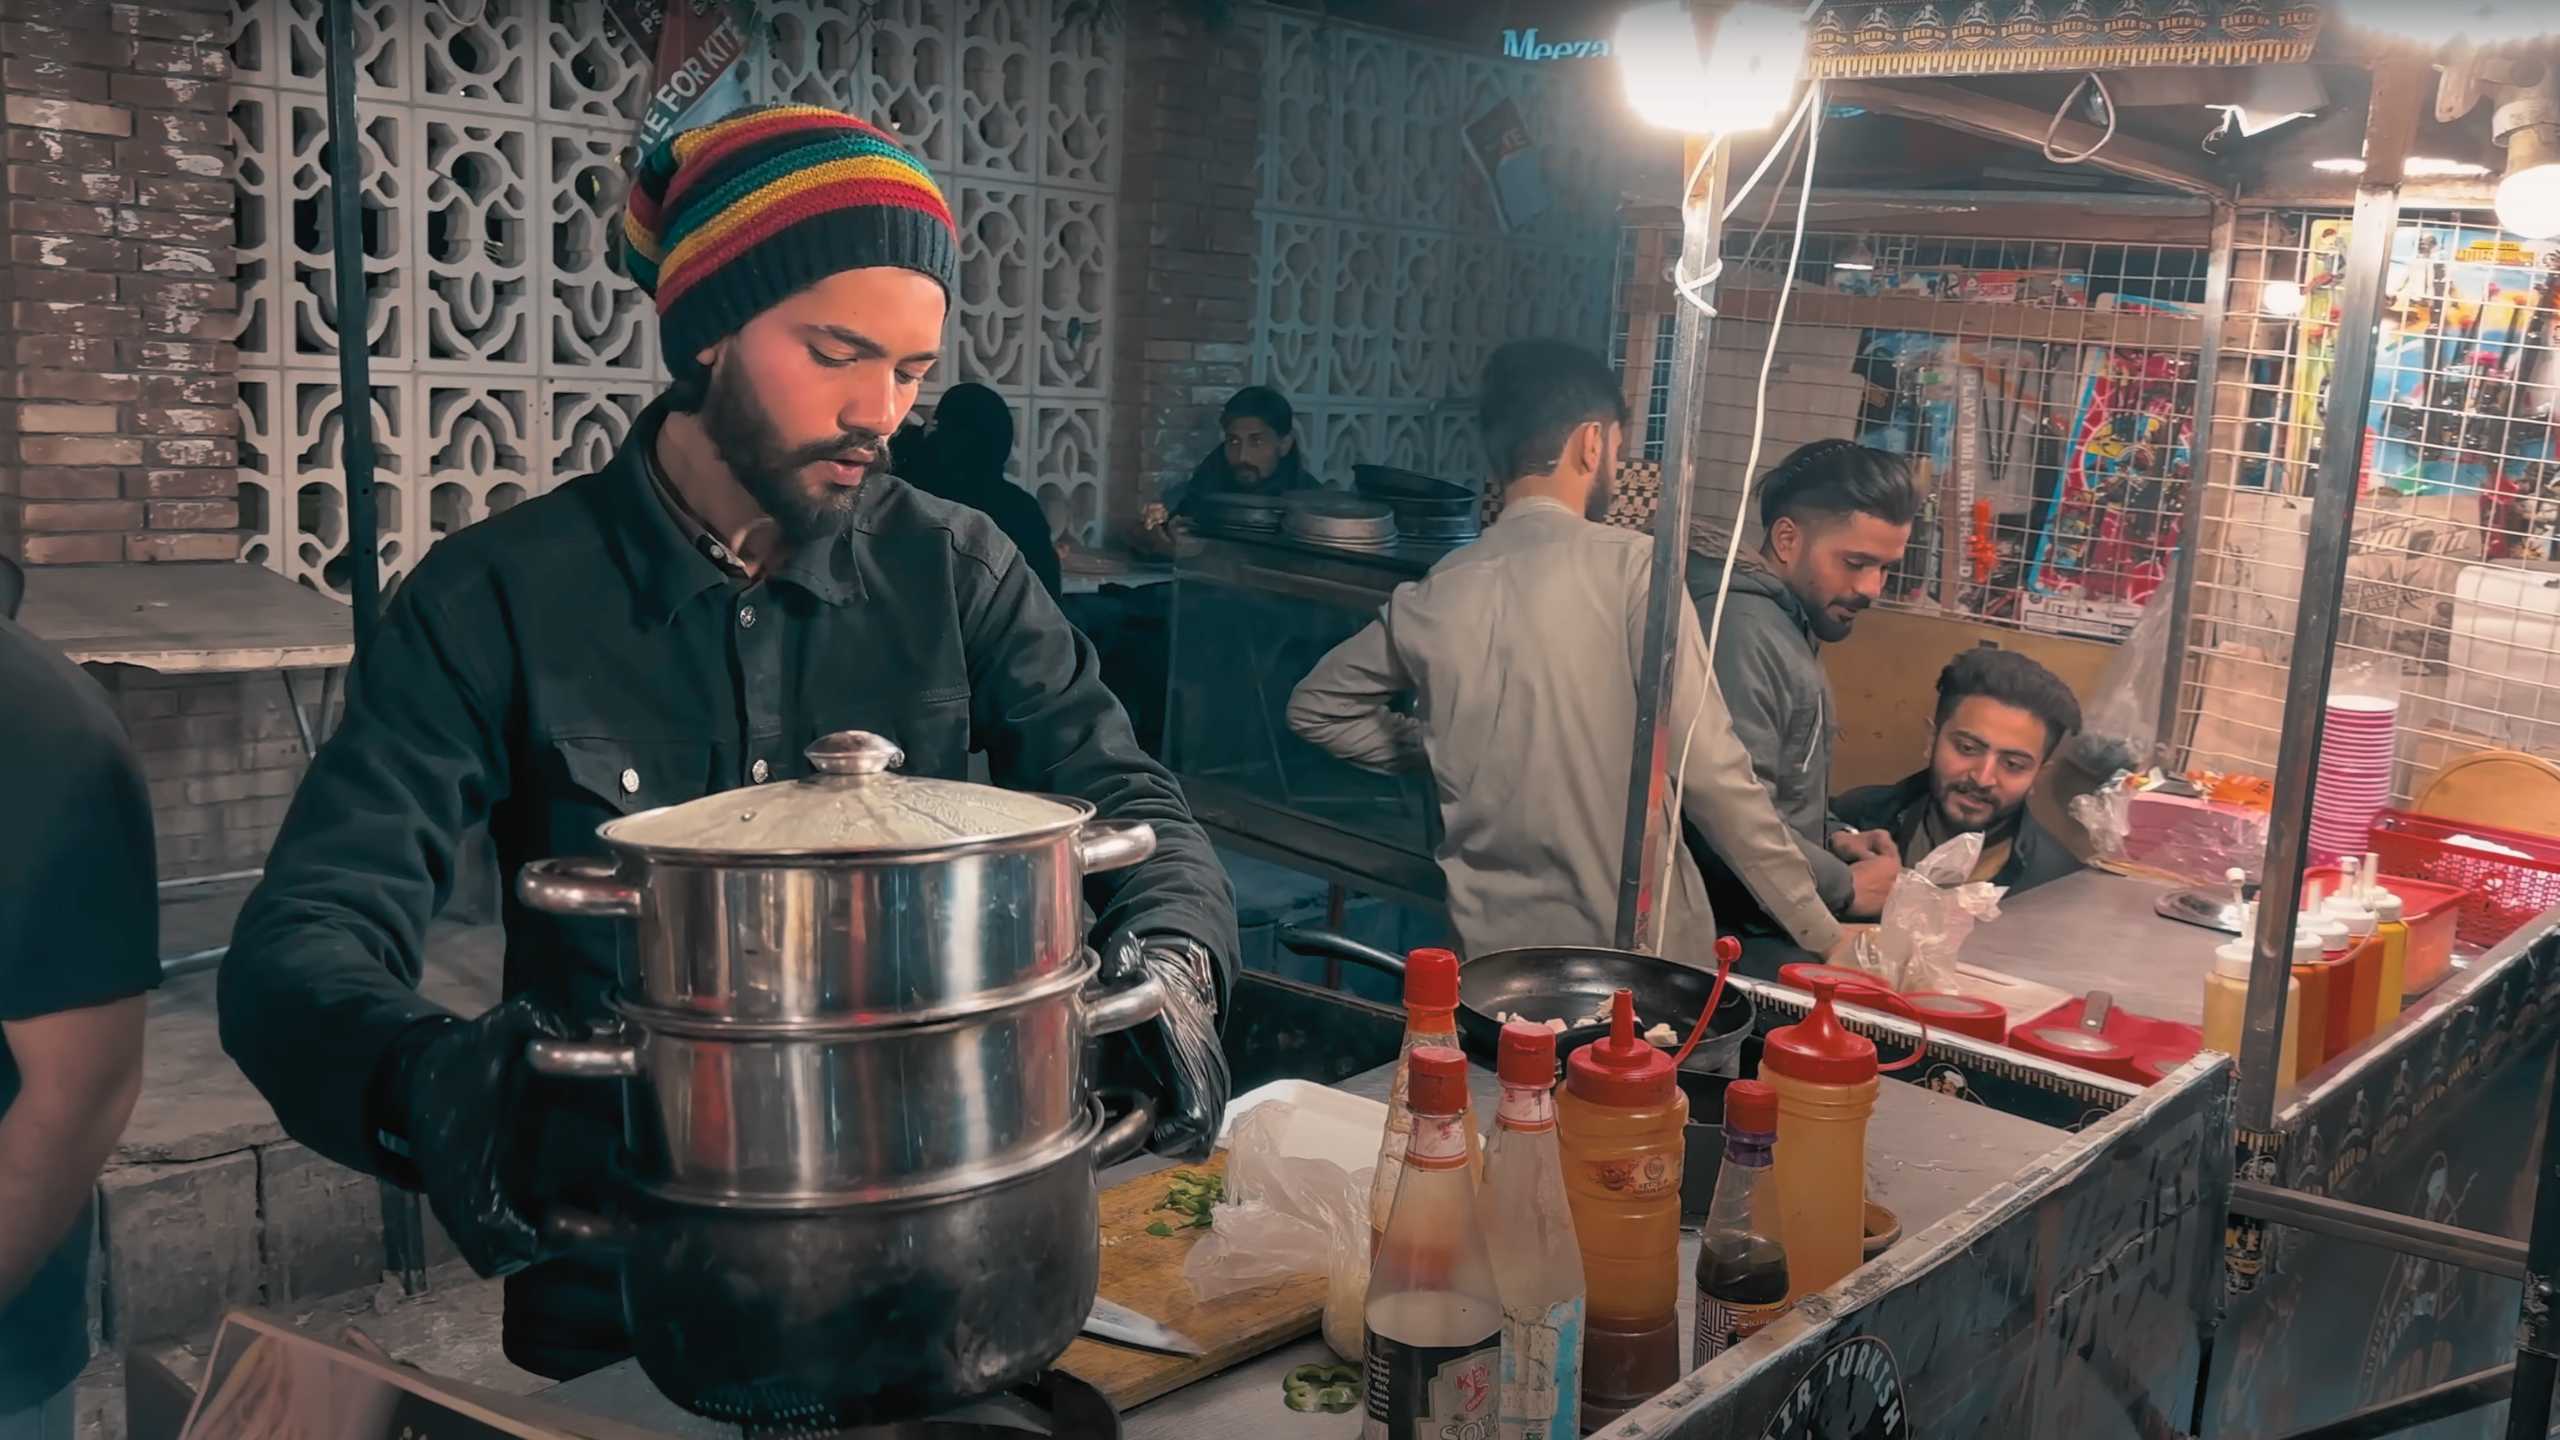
[[1690, 287], [1751, 465], [2063, 112]]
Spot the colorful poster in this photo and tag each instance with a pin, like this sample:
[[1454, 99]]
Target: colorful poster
[[2113, 524], [2461, 397], [699, 78]]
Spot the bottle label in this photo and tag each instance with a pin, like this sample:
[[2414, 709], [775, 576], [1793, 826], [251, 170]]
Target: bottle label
[[1527, 1108], [1542, 1372], [1431, 1392], [1439, 1143], [1723, 1325], [1636, 1177]]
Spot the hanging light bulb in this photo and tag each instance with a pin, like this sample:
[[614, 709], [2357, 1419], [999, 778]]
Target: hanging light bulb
[[1742, 82], [1859, 256], [2280, 298], [2528, 124]]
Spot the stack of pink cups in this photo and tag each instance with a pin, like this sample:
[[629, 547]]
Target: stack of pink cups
[[2352, 781]]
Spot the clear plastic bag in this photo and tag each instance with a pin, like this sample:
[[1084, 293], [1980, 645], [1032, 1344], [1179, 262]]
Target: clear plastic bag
[[1288, 1214], [1930, 911], [2121, 729], [2180, 831]]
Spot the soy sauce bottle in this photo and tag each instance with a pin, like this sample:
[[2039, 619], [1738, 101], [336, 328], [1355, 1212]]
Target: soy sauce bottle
[[1742, 1269]]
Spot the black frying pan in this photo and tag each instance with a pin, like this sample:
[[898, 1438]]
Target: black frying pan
[[1565, 982]]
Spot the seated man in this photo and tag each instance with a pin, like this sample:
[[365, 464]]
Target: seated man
[[1520, 654], [1834, 517], [2000, 718], [1257, 453], [962, 459]]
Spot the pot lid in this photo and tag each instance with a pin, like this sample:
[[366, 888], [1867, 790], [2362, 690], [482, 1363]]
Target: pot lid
[[853, 805]]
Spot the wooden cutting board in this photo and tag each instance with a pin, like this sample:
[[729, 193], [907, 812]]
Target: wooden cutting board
[[1144, 1272]]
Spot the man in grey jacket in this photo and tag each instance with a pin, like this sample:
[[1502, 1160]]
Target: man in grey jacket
[[1834, 517], [1519, 653]]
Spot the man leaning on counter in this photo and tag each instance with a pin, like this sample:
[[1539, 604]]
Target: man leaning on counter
[[744, 577], [1834, 517], [1518, 655]]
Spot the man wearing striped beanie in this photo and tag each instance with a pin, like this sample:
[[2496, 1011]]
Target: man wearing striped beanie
[[742, 579]]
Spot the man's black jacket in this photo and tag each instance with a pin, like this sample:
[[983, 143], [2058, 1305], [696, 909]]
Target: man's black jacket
[[576, 658]]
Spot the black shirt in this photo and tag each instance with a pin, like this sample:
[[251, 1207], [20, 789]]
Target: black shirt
[[79, 926], [574, 659]]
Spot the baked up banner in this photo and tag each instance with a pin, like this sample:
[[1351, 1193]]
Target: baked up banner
[[1904, 39]]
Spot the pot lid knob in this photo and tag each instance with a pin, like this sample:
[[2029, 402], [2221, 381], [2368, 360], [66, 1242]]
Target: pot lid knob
[[855, 752]]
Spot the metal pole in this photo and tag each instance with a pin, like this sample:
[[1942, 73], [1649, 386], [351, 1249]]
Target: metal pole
[[355, 357], [2458, 1396], [403, 1225], [2182, 572], [2389, 121], [1649, 829], [2537, 1336], [2364, 1225]]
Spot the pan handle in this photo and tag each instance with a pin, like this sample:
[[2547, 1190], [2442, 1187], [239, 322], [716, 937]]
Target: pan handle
[[1307, 940]]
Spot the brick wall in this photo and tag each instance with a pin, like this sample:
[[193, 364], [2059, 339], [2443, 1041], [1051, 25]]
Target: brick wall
[[222, 755], [118, 437], [1188, 240]]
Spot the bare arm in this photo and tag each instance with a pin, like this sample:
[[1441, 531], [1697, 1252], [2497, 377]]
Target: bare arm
[[80, 1071], [1343, 707]]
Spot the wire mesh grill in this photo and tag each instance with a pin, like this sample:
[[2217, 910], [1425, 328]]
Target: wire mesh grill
[[2048, 385], [2452, 597]]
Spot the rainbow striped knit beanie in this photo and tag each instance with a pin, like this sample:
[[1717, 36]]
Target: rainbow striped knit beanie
[[728, 219]]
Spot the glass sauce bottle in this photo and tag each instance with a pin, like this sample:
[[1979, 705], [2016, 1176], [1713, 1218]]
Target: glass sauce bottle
[[1535, 1263], [1742, 1267], [1435, 1314], [1430, 1018]]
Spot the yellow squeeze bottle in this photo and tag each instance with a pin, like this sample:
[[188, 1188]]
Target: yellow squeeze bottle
[[2393, 972]]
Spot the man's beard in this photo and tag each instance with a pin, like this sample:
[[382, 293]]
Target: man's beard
[[1828, 627], [1952, 825], [1604, 489], [768, 469]]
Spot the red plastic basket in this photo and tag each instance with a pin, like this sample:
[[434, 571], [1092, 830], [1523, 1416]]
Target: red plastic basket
[[2506, 890]]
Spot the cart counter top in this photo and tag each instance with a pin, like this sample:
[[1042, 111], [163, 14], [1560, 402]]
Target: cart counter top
[[1929, 1155]]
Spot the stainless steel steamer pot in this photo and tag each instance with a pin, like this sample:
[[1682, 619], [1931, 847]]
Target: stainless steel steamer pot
[[847, 897], [861, 1145]]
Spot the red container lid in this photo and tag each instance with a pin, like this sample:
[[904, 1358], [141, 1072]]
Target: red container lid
[[1439, 1080], [1818, 1050], [1751, 1105], [1618, 1068], [1527, 1055], [1431, 980], [1801, 974]]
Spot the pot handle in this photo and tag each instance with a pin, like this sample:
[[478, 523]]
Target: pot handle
[[583, 1059], [1307, 940], [1114, 844], [577, 885], [1108, 1012], [1126, 1136]]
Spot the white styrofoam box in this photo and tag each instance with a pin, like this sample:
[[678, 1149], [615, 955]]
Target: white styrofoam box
[[1324, 1123], [2505, 655]]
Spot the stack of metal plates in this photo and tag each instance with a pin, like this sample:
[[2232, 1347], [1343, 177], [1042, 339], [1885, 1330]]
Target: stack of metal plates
[[1345, 522], [1237, 511], [1426, 509]]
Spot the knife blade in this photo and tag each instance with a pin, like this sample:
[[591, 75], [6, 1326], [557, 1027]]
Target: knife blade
[[1124, 1326]]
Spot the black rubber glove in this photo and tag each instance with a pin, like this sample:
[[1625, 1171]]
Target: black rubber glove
[[458, 1089], [1176, 1055]]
